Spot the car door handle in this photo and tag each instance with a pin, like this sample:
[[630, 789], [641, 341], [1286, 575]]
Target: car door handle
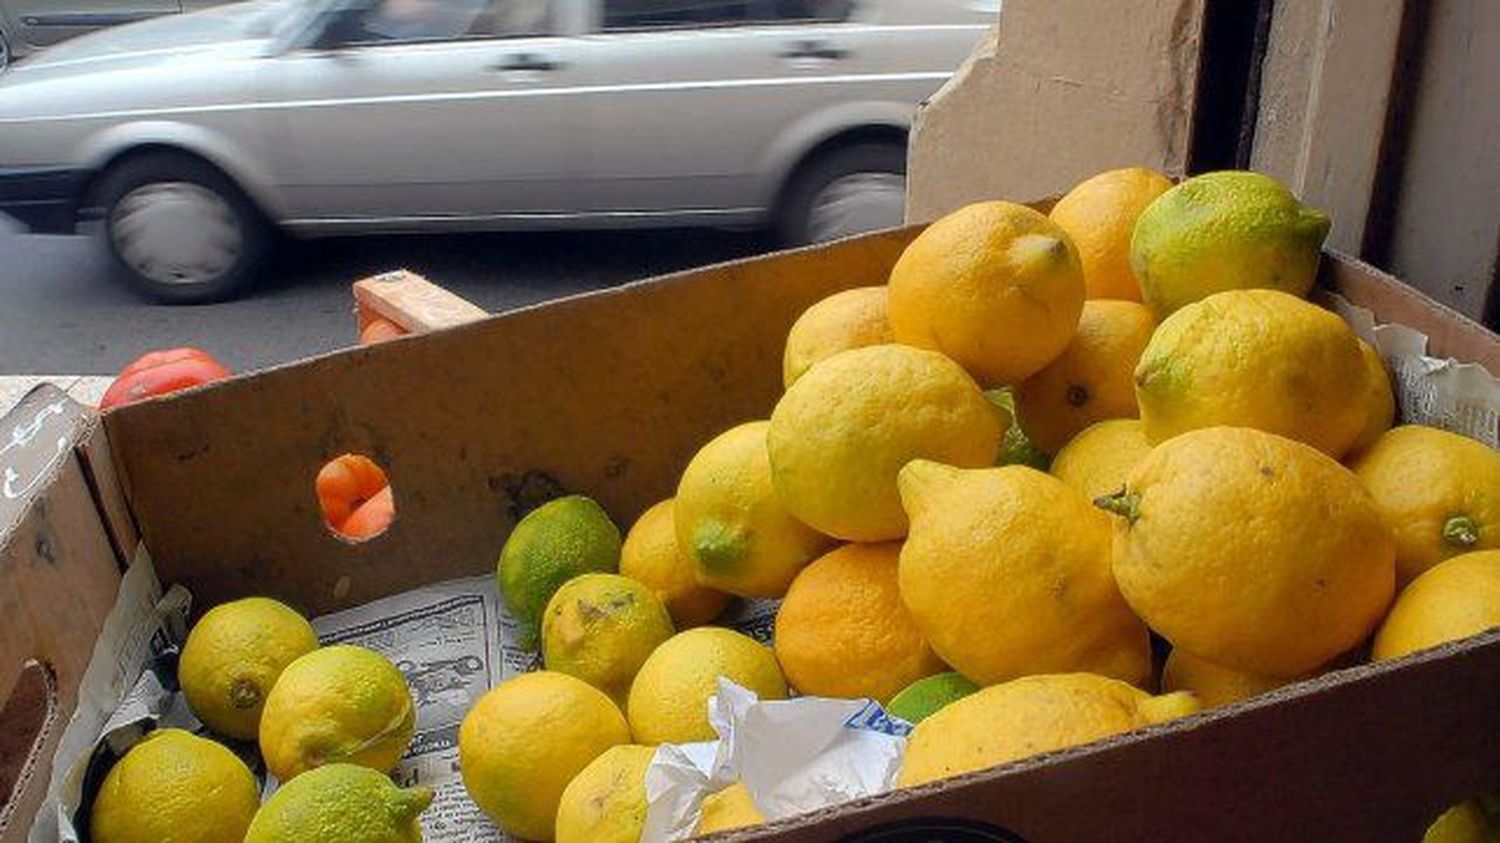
[[526, 61], [815, 50]]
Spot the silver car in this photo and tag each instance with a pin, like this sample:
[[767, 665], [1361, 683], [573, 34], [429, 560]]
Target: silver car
[[29, 25], [192, 140]]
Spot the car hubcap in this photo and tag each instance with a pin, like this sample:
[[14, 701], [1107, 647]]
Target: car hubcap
[[176, 233], [857, 203]]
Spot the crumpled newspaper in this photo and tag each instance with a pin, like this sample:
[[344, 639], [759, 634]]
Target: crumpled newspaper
[[793, 756]]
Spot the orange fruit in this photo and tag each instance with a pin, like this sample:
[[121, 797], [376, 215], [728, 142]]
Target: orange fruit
[[1100, 214]]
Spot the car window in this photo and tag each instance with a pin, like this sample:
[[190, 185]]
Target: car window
[[400, 21], [660, 14]]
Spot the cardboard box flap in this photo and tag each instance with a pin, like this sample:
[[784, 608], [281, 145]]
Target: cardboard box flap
[[608, 394]]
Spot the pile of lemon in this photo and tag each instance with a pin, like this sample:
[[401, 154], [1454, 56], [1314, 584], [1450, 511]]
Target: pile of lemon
[[987, 485]]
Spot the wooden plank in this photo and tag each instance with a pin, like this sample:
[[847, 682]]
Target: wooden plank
[[412, 302]]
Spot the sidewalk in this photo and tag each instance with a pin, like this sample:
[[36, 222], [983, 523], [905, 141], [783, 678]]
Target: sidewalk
[[86, 389]]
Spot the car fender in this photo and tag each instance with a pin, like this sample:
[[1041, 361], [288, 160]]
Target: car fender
[[791, 145], [216, 148]]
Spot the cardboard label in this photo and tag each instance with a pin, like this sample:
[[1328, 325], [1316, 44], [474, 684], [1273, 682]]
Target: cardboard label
[[35, 438]]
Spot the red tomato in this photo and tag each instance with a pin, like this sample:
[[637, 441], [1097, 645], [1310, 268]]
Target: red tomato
[[162, 372]]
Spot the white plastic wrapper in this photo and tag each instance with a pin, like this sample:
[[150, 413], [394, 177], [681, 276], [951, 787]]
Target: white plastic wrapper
[[794, 756]]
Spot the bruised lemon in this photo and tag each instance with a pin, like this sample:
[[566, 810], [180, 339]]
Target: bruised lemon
[[996, 286], [1438, 490], [1092, 380], [606, 801], [338, 704], [233, 656], [1100, 215], [1016, 550], [600, 628], [1030, 716], [1451, 600], [650, 556], [173, 785], [849, 319], [341, 803], [731, 522], [1097, 460], [841, 433], [842, 630], [669, 698], [526, 739]]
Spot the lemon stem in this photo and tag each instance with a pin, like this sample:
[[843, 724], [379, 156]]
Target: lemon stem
[[1461, 531], [1125, 504]]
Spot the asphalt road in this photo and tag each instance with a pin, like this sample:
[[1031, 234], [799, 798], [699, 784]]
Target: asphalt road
[[61, 313]]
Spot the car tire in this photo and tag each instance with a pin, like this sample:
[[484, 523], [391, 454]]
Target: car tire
[[5, 56], [179, 231], [846, 191]]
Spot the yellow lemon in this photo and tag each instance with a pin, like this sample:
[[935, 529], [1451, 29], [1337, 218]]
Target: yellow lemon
[[174, 786], [841, 433], [996, 286], [1212, 684], [1451, 600], [842, 630], [1097, 461], [1016, 550], [341, 803], [650, 555], [1100, 215], [1439, 491], [554, 543], [730, 521], [1255, 358], [1030, 716], [339, 703], [850, 319], [1379, 402], [526, 739], [606, 801], [1465, 822], [1251, 550], [730, 808], [669, 699], [1231, 230], [600, 628], [233, 656], [1092, 380]]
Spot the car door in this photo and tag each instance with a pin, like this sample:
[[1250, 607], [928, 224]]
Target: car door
[[46, 22], [461, 122], [697, 97]]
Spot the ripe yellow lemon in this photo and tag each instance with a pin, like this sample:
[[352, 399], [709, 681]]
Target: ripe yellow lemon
[[1380, 400], [233, 656], [606, 801], [1253, 551], [650, 555], [1016, 550], [341, 803], [842, 630], [554, 543], [1212, 684], [849, 319], [731, 522], [1255, 358], [175, 786], [1029, 716], [996, 286], [1097, 461], [669, 699], [1439, 491], [339, 703], [526, 739], [730, 808], [1452, 600], [1100, 215], [600, 628], [1092, 380], [841, 433], [1231, 230]]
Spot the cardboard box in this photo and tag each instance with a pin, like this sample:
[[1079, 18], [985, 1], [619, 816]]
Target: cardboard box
[[609, 394]]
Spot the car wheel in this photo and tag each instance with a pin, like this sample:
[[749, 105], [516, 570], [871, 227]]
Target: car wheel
[[4, 51], [848, 191], [179, 231]]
